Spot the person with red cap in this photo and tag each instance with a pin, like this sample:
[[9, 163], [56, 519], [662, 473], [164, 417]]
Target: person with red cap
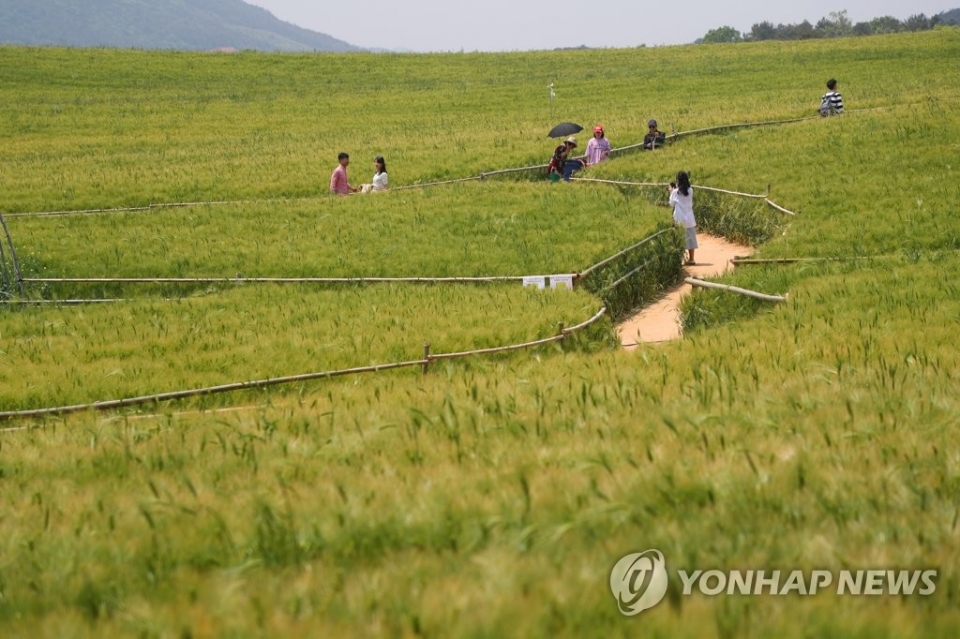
[[598, 148]]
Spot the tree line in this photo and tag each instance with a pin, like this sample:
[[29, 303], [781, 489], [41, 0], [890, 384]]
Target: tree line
[[835, 26]]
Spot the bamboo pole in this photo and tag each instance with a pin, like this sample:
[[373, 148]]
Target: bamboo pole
[[701, 187], [127, 209], [623, 252], [586, 323], [426, 184], [618, 182], [274, 280], [275, 381], [735, 289], [778, 207], [209, 390], [744, 261], [716, 190], [625, 277], [71, 302], [485, 174]]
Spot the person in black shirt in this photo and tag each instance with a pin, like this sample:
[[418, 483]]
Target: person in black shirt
[[653, 139]]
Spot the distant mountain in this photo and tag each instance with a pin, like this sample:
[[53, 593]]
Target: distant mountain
[[156, 24], [949, 17]]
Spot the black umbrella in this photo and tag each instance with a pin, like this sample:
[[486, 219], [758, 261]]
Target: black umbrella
[[564, 129]]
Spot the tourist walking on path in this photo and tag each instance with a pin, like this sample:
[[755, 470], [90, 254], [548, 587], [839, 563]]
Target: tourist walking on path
[[681, 198]]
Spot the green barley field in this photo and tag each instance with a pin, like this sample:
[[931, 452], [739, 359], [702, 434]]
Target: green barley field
[[488, 496]]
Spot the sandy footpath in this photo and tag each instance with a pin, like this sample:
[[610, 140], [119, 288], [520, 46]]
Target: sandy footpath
[[660, 321]]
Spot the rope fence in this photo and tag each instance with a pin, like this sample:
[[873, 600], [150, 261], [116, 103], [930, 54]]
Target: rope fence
[[424, 363]]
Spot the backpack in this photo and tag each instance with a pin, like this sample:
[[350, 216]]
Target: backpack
[[826, 106]]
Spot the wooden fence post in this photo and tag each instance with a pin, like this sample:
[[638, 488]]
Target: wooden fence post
[[13, 256]]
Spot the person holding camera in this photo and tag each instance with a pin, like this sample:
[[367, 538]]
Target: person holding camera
[[681, 198]]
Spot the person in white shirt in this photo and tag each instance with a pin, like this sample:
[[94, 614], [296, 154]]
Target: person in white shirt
[[380, 182], [681, 198]]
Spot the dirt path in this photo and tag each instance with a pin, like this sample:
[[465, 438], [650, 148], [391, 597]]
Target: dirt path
[[660, 321]]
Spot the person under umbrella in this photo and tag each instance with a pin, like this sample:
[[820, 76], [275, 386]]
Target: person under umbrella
[[561, 164]]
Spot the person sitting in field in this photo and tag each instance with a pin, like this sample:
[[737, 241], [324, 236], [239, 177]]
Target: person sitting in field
[[561, 163], [380, 181], [654, 138], [832, 102]]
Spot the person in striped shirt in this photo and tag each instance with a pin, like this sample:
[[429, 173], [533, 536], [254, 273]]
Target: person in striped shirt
[[832, 102]]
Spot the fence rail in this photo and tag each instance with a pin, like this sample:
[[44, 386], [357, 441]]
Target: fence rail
[[275, 280], [276, 381], [735, 289]]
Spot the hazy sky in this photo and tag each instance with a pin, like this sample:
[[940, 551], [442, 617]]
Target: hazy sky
[[519, 25]]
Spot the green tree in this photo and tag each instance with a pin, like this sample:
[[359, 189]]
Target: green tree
[[763, 31], [802, 31], [722, 34], [885, 24], [918, 22], [837, 25]]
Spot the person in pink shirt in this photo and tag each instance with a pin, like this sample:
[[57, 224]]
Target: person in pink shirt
[[338, 181], [598, 148]]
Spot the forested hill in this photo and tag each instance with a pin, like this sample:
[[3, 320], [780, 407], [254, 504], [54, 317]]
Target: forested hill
[[156, 24]]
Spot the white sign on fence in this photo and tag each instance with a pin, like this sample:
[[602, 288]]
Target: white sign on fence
[[534, 280], [561, 281]]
